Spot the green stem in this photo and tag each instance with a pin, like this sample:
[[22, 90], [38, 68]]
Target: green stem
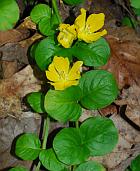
[[38, 166], [45, 136], [45, 132], [77, 124], [73, 168], [55, 7]]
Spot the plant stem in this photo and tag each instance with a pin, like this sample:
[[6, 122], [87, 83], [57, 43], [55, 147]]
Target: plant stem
[[38, 166], [77, 124], [73, 168], [55, 7], [45, 136], [45, 132]]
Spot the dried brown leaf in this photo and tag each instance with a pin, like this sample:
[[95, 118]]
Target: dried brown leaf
[[12, 36], [9, 68], [14, 88], [124, 61]]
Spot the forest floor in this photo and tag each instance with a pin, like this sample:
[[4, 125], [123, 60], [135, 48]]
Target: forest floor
[[17, 79]]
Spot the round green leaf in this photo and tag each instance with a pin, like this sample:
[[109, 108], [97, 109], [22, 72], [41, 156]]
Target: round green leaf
[[28, 146], [135, 3], [18, 168], [100, 135], [45, 27], [63, 105], [36, 101], [44, 52], [65, 52], [49, 160], [32, 50], [40, 11], [69, 146], [90, 166], [99, 89], [92, 54], [73, 2], [135, 164], [9, 14]]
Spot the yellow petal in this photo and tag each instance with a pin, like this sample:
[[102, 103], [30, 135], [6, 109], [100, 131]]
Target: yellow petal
[[80, 21], [63, 26], [74, 73], [61, 65], [95, 22], [72, 30], [89, 38], [52, 74], [63, 85], [65, 40], [71, 83], [58, 85], [67, 35]]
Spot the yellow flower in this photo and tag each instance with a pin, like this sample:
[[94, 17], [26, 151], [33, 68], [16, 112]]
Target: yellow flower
[[61, 75], [87, 29], [67, 35]]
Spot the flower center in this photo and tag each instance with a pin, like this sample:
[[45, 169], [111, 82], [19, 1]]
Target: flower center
[[87, 29], [63, 76]]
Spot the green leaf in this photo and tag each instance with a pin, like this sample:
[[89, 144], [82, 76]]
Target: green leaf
[[130, 22], [49, 160], [135, 3], [137, 11], [126, 21], [39, 12], [54, 21], [19, 168], [92, 54], [44, 51], [90, 166], [65, 52], [135, 164], [63, 105], [100, 135], [9, 14], [69, 147], [36, 101], [74, 2], [45, 27], [99, 89], [28, 146], [32, 50], [48, 26]]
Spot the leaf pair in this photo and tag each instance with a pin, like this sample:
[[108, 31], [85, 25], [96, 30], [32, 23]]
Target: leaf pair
[[94, 54], [74, 146], [96, 90], [46, 20], [49, 161]]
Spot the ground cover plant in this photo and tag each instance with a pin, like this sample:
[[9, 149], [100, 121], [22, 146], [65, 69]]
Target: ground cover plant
[[63, 54]]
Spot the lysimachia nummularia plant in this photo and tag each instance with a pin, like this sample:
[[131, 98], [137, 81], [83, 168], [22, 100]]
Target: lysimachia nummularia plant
[[61, 54]]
